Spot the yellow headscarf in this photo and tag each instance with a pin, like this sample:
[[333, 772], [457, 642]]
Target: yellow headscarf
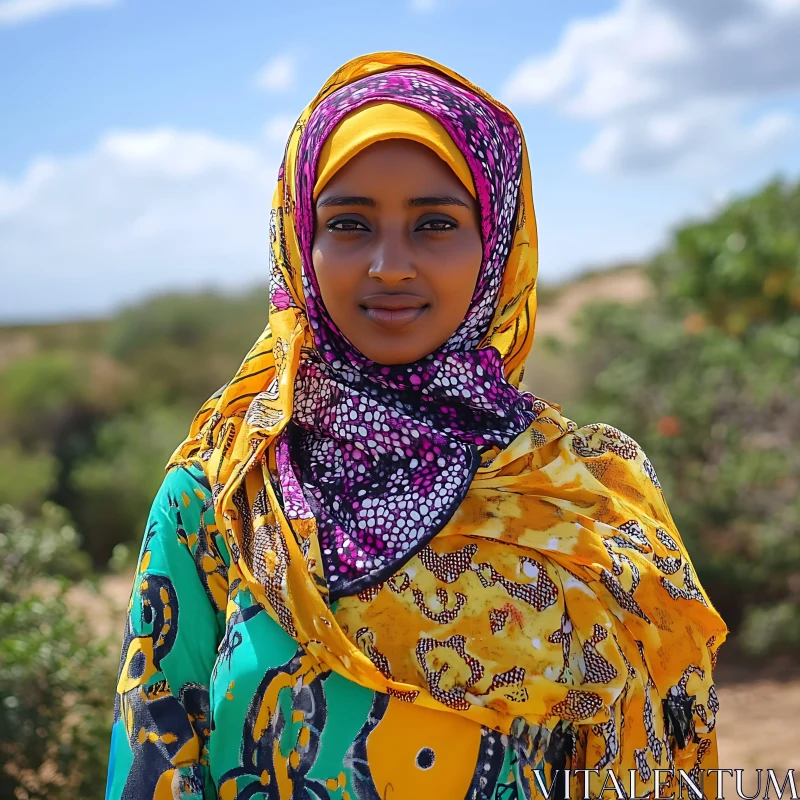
[[379, 121], [559, 591]]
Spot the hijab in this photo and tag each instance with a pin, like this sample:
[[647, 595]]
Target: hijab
[[386, 453], [429, 530]]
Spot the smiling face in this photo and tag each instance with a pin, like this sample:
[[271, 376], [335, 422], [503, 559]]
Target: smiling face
[[397, 251]]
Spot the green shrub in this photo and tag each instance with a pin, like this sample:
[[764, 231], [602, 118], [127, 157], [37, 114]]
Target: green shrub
[[114, 487], [39, 393], [184, 347], [27, 477], [56, 680], [771, 629], [741, 266]]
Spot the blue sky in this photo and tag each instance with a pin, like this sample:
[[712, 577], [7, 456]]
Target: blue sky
[[139, 140]]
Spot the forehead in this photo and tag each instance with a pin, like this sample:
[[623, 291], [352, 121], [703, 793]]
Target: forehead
[[395, 164]]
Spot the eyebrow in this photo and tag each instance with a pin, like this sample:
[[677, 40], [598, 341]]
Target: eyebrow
[[439, 200], [344, 200], [414, 202]]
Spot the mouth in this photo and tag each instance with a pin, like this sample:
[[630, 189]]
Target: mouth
[[393, 311]]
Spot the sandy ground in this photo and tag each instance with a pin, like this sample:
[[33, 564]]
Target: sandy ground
[[625, 286], [759, 708], [757, 722]]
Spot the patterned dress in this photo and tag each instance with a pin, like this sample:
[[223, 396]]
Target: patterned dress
[[216, 700]]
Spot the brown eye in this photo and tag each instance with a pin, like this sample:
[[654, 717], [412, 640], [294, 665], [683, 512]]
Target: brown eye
[[438, 225], [345, 225]]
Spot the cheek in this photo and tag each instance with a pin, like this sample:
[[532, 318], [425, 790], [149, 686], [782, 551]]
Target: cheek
[[455, 274], [334, 278], [318, 261]]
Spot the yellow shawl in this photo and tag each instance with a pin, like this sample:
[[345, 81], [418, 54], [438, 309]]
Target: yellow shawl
[[559, 591]]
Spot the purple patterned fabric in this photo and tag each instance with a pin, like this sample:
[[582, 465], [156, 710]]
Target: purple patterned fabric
[[382, 456]]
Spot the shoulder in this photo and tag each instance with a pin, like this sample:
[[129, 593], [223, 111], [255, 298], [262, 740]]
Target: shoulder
[[189, 479], [182, 514], [599, 438], [599, 442], [184, 496], [181, 539]]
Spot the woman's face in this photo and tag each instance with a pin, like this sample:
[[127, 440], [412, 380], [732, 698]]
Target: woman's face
[[397, 251]]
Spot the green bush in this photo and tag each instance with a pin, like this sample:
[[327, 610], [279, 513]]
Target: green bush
[[740, 267], [55, 679], [184, 347], [89, 413], [27, 477], [114, 487], [38, 395], [51, 402], [771, 629]]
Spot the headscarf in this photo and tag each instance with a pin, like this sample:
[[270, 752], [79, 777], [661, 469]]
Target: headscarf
[[541, 588], [386, 453], [376, 122]]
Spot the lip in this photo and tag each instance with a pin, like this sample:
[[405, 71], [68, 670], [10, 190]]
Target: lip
[[393, 311]]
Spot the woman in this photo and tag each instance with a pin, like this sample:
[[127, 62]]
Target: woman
[[377, 568]]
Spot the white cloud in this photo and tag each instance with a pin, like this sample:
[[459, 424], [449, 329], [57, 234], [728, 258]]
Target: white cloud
[[672, 82], [782, 5], [278, 75], [15, 12], [142, 211], [700, 138], [598, 67]]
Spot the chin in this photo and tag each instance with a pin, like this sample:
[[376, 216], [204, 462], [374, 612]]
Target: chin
[[394, 353], [391, 349], [393, 359]]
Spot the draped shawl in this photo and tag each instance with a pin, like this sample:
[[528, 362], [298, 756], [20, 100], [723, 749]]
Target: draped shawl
[[541, 587]]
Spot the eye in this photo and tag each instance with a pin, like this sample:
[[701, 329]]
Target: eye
[[346, 225], [437, 225]]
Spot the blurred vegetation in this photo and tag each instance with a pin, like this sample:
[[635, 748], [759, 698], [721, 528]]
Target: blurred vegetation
[[56, 678], [90, 412], [704, 373]]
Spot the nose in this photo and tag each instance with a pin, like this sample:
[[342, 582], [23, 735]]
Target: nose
[[392, 260]]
